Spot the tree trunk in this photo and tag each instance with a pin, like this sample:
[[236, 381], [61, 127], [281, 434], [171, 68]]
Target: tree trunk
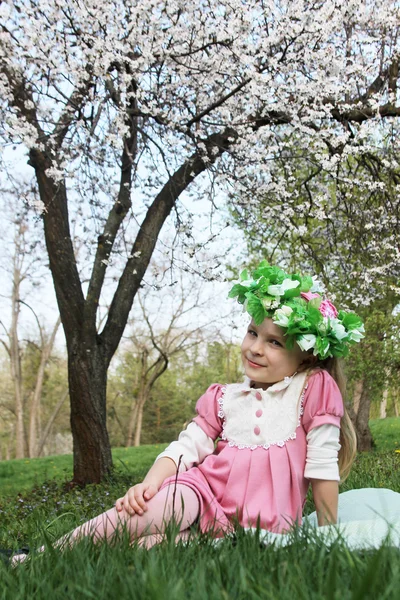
[[396, 406], [37, 395], [132, 422], [383, 404], [15, 362], [87, 378], [50, 422], [139, 421], [364, 437], [358, 389]]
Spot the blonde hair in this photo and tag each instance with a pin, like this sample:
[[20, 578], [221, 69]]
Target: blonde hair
[[348, 437]]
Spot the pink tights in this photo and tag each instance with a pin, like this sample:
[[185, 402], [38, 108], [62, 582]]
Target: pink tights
[[148, 528]]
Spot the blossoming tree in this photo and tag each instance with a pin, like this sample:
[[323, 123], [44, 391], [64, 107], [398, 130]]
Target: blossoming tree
[[125, 104]]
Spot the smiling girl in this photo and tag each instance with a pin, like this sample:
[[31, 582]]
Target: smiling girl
[[249, 455]]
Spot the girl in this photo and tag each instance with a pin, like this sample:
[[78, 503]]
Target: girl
[[253, 448]]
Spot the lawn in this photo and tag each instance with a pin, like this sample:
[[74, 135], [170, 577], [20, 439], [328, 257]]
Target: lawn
[[46, 508], [17, 476], [386, 433]]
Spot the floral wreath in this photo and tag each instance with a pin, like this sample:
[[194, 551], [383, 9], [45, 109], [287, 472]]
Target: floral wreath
[[295, 303]]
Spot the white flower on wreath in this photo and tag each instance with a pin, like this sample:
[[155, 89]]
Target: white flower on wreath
[[279, 290], [356, 335], [338, 329], [281, 316], [307, 341], [270, 303]]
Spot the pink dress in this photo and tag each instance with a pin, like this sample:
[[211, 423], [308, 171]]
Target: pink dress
[[258, 483]]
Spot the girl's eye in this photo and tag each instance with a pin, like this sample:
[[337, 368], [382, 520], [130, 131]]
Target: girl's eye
[[252, 332], [276, 343]]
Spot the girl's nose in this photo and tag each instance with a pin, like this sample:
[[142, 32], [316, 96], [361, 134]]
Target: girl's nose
[[256, 347]]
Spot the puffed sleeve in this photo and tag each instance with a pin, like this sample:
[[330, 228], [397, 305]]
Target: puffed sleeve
[[207, 408], [196, 442], [323, 403]]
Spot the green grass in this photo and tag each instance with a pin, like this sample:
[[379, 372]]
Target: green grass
[[386, 433], [244, 570], [45, 510], [18, 476]]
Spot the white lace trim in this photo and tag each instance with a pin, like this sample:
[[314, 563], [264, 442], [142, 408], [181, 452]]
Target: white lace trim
[[279, 443]]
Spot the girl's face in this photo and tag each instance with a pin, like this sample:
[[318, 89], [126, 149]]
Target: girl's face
[[266, 359]]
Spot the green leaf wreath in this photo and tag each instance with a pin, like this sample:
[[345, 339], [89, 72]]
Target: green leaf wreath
[[296, 304]]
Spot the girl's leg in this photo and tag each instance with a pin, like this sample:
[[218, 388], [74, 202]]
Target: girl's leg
[[148, 541], [161, 510]]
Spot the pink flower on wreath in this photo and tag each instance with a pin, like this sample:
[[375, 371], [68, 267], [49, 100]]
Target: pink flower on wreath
[[327, 309], [309, 295]]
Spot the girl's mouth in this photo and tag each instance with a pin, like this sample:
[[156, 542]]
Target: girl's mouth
[[254, 365]]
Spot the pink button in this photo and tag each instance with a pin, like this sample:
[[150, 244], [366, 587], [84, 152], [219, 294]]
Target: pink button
[[259, 412], [257, 430], [258, 396]]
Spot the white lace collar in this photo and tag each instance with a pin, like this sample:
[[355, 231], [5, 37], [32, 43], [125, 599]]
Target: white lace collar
[[245, 386]]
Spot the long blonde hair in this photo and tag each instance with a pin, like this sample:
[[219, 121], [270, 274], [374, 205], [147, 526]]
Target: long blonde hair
[[348, 437]]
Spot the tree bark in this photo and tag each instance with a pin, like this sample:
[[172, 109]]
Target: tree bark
[[15, 361], [364, 437], [132, 422], [87, 378], [49, 424], [358, 389], [383, 404], [37, 394], [396, 406], [139, 421]]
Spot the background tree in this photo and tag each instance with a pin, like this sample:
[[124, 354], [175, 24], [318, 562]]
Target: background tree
[[168, 322], [341, 222], [171, 401], [126, 101], [23, 271]]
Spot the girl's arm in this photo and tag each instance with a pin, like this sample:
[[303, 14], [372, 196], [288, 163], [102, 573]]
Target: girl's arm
[[325, 494], [135, 498]]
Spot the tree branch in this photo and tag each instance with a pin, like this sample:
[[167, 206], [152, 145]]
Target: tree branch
[[59, 243], [115, 218], [215, 145], [74, 104]]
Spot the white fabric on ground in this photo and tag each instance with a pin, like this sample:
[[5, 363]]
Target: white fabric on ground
[[367, 519]]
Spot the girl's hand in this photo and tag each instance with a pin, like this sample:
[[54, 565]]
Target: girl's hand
[[134, 501]]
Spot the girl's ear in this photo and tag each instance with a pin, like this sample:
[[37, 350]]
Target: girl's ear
[[308, 362]]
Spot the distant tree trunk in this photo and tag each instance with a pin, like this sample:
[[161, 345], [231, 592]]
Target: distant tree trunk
[[46, 349], [132, 422], [358, 389], [139, 422], [396, 406], [383, 403], [158, 423], [15, 362], [364, 437], [50, 422]]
